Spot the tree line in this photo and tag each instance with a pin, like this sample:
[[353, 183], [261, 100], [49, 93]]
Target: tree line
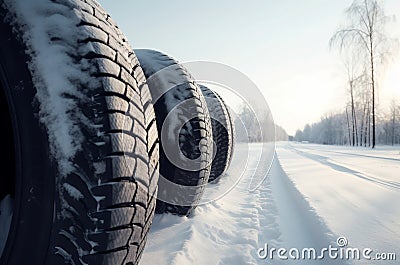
[[248, 127], [338, 128], [364, 47]]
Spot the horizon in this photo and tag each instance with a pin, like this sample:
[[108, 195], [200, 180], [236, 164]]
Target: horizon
[[278, 45]]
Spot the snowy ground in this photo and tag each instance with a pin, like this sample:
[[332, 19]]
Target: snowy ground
[[355, 192], [313, 195]]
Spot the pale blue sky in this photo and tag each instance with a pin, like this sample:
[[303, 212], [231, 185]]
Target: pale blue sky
[[281, 45]]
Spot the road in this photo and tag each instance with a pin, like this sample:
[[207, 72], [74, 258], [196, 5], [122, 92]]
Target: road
[[355, 191]]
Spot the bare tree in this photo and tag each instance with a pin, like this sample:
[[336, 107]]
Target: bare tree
[[335, 128], [365, 36], [348, 127], [356, 75], [362, 96], [351, 69], [393, 114], [331, 129]]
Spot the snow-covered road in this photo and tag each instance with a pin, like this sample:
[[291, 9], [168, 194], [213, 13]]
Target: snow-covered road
[[355, 191], [313, 195]]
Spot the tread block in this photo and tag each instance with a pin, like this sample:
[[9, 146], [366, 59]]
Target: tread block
[[114, 239], [114, 217], [121, 192]]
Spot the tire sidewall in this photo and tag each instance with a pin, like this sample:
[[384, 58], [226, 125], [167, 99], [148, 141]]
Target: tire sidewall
[[35, 172]]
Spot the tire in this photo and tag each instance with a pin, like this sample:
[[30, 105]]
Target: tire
[[193, 132], [84, 144], [231, 125], [233, 133], [223, 133]]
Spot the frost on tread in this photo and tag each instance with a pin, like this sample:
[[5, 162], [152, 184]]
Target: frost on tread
[[100, 122], [50, 39], [222, 128], [184, 129]]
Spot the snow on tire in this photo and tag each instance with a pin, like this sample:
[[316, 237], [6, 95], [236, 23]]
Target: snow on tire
[[183, 122], [223, 132], [84, 177]]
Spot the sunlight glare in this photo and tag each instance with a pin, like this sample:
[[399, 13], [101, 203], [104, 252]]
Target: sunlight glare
[[391, 80]]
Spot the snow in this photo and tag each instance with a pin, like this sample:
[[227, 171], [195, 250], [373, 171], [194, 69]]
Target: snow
[[6, 212], [225, 231], [73, 192], [50, 33], [355, 191], [312, 196]]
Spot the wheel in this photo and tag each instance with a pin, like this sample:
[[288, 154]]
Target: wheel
[[81, 148], [223, 133], [184, 129]]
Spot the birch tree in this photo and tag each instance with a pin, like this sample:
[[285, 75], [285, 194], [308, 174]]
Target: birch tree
[[365, 35]]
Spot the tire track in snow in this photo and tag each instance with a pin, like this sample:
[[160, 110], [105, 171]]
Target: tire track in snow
[[225, 231], [362, 211], [300, 224], [248, 219], [357, 154], [347, 169], [270, 231]]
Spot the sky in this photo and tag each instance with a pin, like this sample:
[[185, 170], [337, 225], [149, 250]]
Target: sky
[[282, 46]]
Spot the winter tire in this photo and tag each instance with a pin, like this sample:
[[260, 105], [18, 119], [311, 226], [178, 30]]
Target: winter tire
[[176, 95], [81, 147], [223, 133]]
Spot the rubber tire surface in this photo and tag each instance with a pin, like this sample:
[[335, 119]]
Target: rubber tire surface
[[223, 133], [91, 215], [195, 138], [231, 126]]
